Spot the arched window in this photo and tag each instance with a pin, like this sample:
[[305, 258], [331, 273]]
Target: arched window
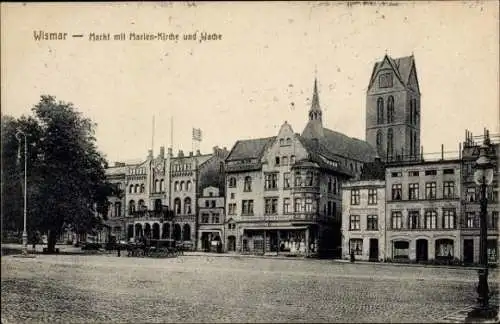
[[141, 205], [131, 189], [162, 185], [379, 140], [131, 207], [158, 204], [177, 206], [309, 178], [380, 111], [411, 144], [142, 188], [176, 186], [186, 232], [298, 205], [415, 145], [118, 209], [181, 187], [248, 184], [298, 179], [136, 189], [411, 112], [157, 185], [390, 143], [282, 141], [288, 141], [187, 206], [188, 185], [330, 185], [390, 109], [415, 111], [232, 182]]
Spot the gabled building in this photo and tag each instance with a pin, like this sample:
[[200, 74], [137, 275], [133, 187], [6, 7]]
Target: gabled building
[[283, 192]]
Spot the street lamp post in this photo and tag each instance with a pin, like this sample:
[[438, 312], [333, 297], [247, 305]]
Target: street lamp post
[[25, 233], [483, 177]]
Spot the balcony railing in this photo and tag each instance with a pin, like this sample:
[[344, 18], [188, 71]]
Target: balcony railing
[[164, 214]]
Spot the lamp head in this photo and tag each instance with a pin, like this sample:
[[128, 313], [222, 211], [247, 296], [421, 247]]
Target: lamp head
[[484, 167]]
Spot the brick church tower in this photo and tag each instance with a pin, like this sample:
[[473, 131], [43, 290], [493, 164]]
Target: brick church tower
[[393, 109]]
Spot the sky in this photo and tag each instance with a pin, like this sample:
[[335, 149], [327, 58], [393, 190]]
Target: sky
[[257, 76]]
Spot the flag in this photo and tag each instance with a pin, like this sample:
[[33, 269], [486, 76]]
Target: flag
[[197, 134]]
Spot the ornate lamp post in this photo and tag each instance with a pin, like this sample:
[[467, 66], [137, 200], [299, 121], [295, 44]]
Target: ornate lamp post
[[483, 177], [19, 136]]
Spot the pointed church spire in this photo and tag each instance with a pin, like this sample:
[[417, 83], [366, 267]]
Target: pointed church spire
[[315, 99], [314, 127]]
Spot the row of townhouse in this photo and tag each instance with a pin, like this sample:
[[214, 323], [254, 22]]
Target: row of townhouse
[[279, 194], [420, 210]]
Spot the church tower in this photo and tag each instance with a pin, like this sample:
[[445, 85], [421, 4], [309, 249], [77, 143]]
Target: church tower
[[314, 127], [393, 109]]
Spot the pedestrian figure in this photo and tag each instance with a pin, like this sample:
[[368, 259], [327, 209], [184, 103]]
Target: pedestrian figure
[[352, 256]]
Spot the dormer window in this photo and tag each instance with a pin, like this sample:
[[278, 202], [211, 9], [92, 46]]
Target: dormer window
[[282, 141], [385, 80]]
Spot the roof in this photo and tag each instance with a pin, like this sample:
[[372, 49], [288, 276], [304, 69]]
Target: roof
[[335, 143], [116, 170], [249, 149], [402, 67]]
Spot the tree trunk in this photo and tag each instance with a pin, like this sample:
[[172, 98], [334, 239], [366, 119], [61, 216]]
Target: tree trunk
[[51, 241]]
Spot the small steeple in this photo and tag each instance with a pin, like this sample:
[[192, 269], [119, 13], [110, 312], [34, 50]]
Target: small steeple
[[314, 128]]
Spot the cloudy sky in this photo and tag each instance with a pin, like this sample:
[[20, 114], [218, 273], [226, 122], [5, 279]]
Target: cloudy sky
[[257, 76]]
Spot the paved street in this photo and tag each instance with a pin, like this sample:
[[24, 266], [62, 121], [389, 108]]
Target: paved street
[[105, 288]]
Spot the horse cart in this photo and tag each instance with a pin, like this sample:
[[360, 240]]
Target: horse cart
[[155, 248]]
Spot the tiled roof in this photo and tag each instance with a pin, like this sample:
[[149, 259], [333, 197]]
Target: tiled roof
[[343, 145], [243, 167], [249, 149], [403, 65]]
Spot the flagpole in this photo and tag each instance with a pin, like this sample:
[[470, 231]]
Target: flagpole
[[153, 135]]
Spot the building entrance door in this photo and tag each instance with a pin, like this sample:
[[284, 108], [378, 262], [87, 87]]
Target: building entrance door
[[373, 250], [468, 251], [422, 250]]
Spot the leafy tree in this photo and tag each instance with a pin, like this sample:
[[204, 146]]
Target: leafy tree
[[66, 179]]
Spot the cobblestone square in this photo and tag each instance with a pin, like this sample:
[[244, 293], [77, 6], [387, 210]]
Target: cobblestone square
[[105, 288]]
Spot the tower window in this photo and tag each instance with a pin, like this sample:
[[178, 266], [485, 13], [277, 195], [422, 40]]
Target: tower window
[[379, 140], [385, 80], [390, 109], [380, 111], [390, 143]]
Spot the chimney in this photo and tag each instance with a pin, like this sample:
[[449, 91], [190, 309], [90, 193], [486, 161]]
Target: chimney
[[150, 154], [191, 153], [198, 152], [181, 154], [170, 154]]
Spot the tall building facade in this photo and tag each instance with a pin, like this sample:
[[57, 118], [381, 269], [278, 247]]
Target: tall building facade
[[393, 109], [471, 195], [363, 215], [160, 194]]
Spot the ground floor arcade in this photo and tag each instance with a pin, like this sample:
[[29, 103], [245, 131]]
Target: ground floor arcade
[[180, 232]]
